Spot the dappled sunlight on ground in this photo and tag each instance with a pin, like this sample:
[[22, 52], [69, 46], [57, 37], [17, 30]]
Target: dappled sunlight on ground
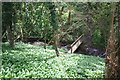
[[34, 61]]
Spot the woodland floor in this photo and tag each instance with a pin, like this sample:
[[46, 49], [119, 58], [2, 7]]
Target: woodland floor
[[30, 61]]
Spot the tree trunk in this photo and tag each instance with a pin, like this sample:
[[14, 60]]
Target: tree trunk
[[10, 37], [0, 25], [8, 21], [112, 58], [118, 33], [54, 25]]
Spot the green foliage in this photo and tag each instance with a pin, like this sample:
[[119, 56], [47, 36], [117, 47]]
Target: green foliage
[[34, 19], [97, 38], [28, 61]]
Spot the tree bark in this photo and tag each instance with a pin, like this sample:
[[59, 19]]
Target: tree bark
[[118, 33], [8, 21], [10, 37], [112, 57], [55, 26]]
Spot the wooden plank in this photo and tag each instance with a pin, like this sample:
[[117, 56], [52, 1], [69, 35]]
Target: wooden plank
[[75, 44], [74, 47], [76, 41]]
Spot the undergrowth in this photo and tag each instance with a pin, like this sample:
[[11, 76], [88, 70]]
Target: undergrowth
[[28, 61]]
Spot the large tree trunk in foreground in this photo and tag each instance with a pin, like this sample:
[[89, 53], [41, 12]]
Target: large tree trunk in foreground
[[118, 33], [112, 65]]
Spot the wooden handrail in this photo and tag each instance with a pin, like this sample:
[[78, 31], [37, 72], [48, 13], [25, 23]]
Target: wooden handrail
[[75, 45], [76, 41]]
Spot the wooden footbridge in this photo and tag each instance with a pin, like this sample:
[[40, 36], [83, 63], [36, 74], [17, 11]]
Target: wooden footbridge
[[75, 45]]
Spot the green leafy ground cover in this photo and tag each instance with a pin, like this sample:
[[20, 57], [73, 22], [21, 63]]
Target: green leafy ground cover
[[28, 61]]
